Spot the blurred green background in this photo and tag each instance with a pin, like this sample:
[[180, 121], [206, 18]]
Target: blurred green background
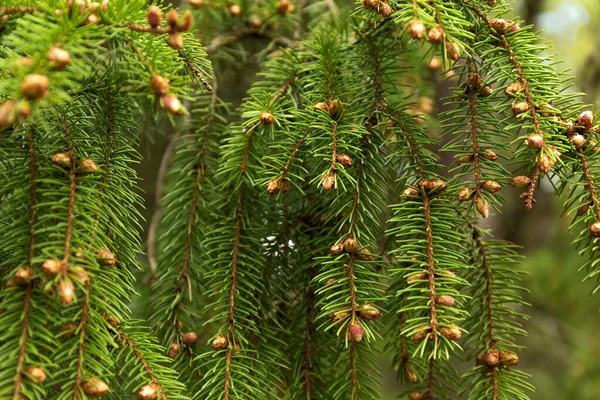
[[563, 346]]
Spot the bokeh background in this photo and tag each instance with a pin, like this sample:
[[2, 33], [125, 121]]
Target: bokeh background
[[563, 347]]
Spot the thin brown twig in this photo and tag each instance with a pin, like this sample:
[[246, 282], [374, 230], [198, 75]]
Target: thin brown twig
[[81, 346], [430, 263]]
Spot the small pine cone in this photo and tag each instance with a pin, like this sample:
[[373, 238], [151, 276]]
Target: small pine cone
[[508, 359], [336, 249], [159, 85], [190, 338], [491, 186], [369, 312], [94, 387], [344, 159], [536, 141], [235, 10], [196, 4], [486, 91], [545, 163], [175, 41], [338, 317], [35, 86], [586, 119], [415, 396], [8, 114], [578, 141], [255, 22], [351, 246], [172, 17], [321, 105], [520, 181], [410, 192], [417, 277], [385, 10], [491, 358], [88, 166], [283, 7], [474, 80], [154, 16], [499, 25], [409, 374], [35, 375], [59, 58], [520, 107], [481, 205], [67, 330], [266, 118], [435, 35], [336, 108], [465, 159], [371, 4], [452, 51], [219, 343], [63, 160], [148, 392], [105, 257], [356, 331], [489, 155], [451, 333], [328, 182], [419, 336], [65, 291], [466, 194], [23, 276], [174, 350], [514, 28], [445, 300], [187, 22], [171, 104], [365, 255], [274, 185], [595, 229], [416, 29]]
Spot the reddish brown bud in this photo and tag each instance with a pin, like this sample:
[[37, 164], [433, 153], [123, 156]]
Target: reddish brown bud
[[415, 396], [8, 114], [488, 155], [255, 22], [266, 118], [196, 4], [175, 41], [80, 274], [159, 85], [578, 141], [435, 35], [410, 192], [219, 343], [595, 229], [283, 7], [35, 86], [369, 312], [465, 159], [171, 104], [465, 194], [486, 91], [190, 338], [491, 186], [94, 387], [371, 4], [451, 333], [328, 182], [481, 205], [59, 58], [336, 108], [187, 22], [88, 166], [385, 10], [336, 249], [63, 160], [35, 375], [474, 80], [435, 64], [421, 334], [586, 119], [356, 331], [508, 359], [545, 163], [417, 277], [235, 10], [52, 267], [436, 185], [172, 17], [23, 276], [351, 246], [174, 350], [491, 358], [409, 374], [536, 141], [583, 209], [520, 107], [274, 185], [148, 392], [344, 159], [499, 25], [520, 181], [445, 300], [65, 290], [321, 105], [154, 16], [452, 51], [105, 257], [415, 29]]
